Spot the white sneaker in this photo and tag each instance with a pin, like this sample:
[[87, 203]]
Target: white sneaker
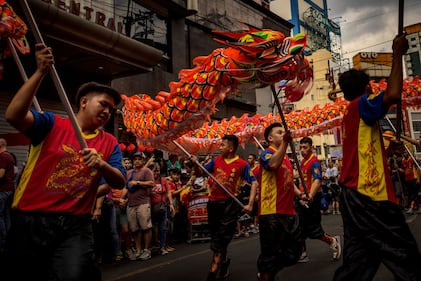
[[136, 255], [131, 254], [303, 258], [146, 255], [336, 247], [164, 252], [256, 229]]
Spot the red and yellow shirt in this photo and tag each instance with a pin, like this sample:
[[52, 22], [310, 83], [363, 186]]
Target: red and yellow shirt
[[231, 173], [312, 170], [364, 165], [56, 179], [276, 187]]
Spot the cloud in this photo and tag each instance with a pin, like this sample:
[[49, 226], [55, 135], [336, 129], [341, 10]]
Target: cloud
[[370, 26]]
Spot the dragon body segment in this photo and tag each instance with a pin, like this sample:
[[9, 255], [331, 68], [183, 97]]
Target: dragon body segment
[[11, 25], [258, 58]]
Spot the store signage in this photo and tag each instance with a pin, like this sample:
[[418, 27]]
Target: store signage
[[368, 55], [90, 13]]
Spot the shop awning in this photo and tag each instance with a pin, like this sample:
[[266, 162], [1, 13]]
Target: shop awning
[[102, 48]]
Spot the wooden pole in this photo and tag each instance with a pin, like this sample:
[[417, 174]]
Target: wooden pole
[[209, 174], [258, 143], [291, 144], [399, 104], [54, 75]]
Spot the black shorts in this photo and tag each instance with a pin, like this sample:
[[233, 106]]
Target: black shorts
[[280, 242], [222, 220]]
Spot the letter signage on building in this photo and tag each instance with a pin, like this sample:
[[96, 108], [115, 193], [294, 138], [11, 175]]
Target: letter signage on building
[[101, 13], [368, 55]]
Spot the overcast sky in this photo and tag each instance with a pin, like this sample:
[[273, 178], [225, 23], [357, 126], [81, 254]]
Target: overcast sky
[[371, 25]]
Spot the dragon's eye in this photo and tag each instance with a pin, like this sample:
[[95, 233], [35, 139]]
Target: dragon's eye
[[246, 39]]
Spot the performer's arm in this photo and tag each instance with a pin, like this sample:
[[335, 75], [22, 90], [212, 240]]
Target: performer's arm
[[17, 113], [394, 83], [253, 193], [316, 187], [316, 184]]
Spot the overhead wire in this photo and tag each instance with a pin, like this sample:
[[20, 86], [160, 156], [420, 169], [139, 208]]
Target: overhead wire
[[370, 17]]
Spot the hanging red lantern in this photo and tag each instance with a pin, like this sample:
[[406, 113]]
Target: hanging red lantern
[[122, 146], [131, 147]]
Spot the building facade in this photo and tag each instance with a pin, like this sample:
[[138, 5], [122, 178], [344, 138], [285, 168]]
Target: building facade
[[376, 64], [311, 17], [413, 58]]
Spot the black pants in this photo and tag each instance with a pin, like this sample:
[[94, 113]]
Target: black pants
[[222, 220], [376, 232], [50, 247], [280, 242], [310, 218]]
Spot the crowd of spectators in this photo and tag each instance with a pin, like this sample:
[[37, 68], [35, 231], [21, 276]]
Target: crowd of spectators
[[122, 227], [178, 180]]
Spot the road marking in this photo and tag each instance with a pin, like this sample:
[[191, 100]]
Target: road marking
[[135, 272]]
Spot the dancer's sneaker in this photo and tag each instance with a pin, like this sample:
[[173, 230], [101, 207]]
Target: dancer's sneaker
[[336, 247]]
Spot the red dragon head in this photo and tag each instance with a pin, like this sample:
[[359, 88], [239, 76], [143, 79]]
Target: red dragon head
[[265, 57]]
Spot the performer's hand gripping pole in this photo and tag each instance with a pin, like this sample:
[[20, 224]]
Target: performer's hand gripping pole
[[209, 174], [291, 144], [54, 75]]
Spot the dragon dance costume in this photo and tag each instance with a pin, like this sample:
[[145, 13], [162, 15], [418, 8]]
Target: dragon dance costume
[[375, 230]]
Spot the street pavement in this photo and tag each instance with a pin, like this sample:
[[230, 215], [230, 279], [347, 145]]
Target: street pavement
[[190, 262]]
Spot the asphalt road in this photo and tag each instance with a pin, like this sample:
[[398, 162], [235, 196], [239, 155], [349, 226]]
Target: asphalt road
[[190, 261]]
